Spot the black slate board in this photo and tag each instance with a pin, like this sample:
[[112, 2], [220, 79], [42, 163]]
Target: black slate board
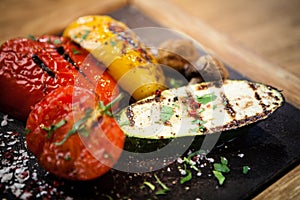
[[270, 148]]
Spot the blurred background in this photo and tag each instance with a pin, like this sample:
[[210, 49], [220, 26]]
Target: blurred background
[[271, 28]]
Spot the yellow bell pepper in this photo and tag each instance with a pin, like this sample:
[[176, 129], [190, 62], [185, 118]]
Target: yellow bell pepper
[[127, 59]]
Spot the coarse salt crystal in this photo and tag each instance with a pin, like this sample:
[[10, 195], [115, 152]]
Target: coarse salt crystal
[[182, 172], [240, 155], [199, 174], [179, 160]]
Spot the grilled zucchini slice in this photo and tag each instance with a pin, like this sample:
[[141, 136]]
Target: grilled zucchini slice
[[199, 109]]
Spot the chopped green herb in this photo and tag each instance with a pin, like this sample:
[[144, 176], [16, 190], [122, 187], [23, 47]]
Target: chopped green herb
[[84, 36], [219, 176], [187, 178], [57, 41], [31, 37], [246, 169], [164, 189], [206, 98], [105, 109], [150, 185], [108, 197], [199, 152], [67, 158], [112, 43], [161, 192], [166, 113], [214, 107], [224, 161], [192, 164], [198, 121], [78, 126], [75, 51], [221, 168], [201, 128], [53, 127], [27, 131]]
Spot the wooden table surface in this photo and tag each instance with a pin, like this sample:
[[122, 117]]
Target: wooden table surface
[[258, 38]]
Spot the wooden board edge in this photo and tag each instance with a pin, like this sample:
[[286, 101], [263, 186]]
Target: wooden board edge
[[286, 187], [231, 52]]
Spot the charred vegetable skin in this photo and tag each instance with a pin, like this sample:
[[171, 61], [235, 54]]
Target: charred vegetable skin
[[65, 127], [31, 68], [114, 44]]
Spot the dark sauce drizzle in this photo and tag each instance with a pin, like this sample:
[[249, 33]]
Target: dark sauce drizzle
[[43, 66]]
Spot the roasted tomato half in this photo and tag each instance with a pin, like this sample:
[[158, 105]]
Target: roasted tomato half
[[31, 68], [73, 134]]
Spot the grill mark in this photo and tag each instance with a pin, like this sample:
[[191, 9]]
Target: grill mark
[[43, 66], [263, 106], [237, 123], [254, 87], [130, 115], [204, 86], [61, 51], [228, 106]]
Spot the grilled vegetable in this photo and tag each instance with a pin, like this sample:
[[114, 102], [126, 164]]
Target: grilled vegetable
[[199, 109], [71, 136], [114, 44], [31, 68]]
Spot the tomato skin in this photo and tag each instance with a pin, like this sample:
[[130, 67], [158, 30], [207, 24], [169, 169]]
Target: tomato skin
[[23, 81], [78, 158]]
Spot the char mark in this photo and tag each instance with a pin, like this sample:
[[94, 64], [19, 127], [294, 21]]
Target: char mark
[[228, 106], [61, 51], [43, 66]]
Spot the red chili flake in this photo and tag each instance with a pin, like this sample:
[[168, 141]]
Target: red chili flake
[[157, 95]]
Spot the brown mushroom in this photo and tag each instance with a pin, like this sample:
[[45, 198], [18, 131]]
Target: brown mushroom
[[207, 68], [177, 53]]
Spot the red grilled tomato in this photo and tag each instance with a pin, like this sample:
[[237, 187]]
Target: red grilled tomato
[[31, 68], [73, 135]]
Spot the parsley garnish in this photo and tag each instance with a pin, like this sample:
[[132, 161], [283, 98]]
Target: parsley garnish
[[53, 127], [164, 189], [27, 131], [219, 176], [67, 158], [78, 126], [166, 113], [57, 41], [189, 162], [31, 37], [199, 152], [246, 169], [150, 185], [205, 99], [220, 168], [188, 177], [76, 52], [84, 36]]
